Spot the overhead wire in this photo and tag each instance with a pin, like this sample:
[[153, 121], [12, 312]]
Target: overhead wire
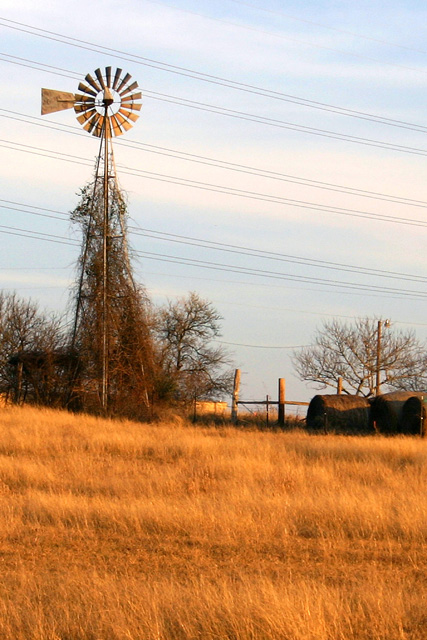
[[311, 313], [278, 275], [292, 309], [224, 247], [226, 190], [317, 313], [235, 343], [36, 235], [271, 255], [226, 82], [262, 346], [218, 163], [230, 268], [281, 124]]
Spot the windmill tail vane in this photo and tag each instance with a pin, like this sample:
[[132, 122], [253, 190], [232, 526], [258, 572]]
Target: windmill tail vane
[[108, 102]]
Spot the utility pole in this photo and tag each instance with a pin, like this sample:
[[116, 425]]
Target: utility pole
[[235, 399], [281, 411], [379, 338]]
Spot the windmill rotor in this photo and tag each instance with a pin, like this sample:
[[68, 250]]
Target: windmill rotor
[[107, 103]]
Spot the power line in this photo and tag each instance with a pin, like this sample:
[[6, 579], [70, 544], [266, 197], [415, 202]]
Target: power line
[[225, 247], [306, 312], [31, 288], [273, 122], [292, 309], [281, 276], [40, 66], [218, 163], [262, 346], [33, 268], [34, 213], [352, 286], [281, 124], [36, 235], [234, 303], [46, 153], [205, 186], [218, 80], [271, 255]]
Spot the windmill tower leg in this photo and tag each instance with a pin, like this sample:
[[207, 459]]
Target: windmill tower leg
[[104, 397]]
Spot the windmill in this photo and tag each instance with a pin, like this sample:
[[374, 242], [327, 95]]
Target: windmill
[[106, 105]]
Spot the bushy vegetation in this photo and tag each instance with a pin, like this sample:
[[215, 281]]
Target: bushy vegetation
[[123, 531], [158, 357]]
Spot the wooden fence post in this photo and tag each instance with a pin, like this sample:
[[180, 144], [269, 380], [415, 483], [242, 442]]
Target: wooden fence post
[[235, 399], [18, 392], [281, 412], [339, 386]]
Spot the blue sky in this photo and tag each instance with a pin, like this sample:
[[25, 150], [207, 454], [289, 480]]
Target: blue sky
[[369, 58]]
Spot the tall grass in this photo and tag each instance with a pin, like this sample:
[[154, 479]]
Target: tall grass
[[115, 530]]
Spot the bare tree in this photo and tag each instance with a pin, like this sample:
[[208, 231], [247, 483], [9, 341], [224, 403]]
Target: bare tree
[[350, 352], [195, 367], [30, 344]]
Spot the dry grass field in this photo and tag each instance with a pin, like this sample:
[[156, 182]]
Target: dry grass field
[[121, 531]]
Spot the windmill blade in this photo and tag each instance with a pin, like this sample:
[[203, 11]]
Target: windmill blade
[[116, 126], [135, 96], [123, 122], [116, 78], [84, 104], [130, 88], [56, 101], [79, 108], [100, 125], [120, 118], [84, 117], [100, 78], [108, 76], [92, 83], [79, 97], [135, 106], [85, 89], [90, 125], [126, 125], [123, 82], [129, 115]]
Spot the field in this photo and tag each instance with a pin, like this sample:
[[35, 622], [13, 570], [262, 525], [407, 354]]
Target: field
[[122, 531]]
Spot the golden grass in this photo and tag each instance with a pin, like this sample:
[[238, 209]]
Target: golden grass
[[122, 531]]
